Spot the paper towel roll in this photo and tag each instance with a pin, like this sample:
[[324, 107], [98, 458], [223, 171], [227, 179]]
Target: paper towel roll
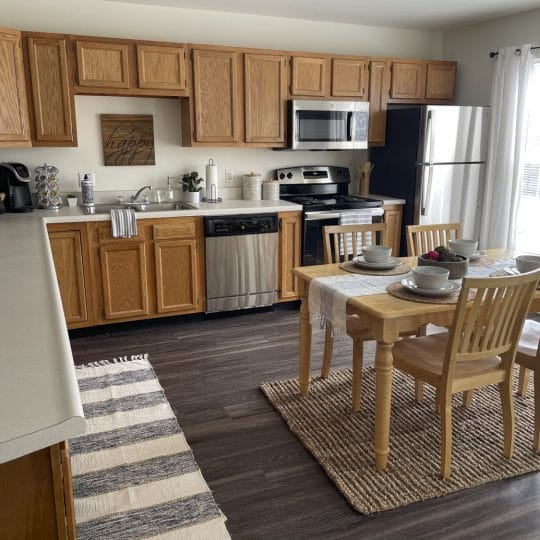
[[211, 180]]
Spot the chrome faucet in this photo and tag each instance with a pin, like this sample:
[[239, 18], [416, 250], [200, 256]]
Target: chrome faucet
[[136, 196]]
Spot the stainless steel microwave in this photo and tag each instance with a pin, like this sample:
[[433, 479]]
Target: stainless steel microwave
[[328, 125]]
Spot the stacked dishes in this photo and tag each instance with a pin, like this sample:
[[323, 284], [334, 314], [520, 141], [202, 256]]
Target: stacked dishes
[[376, 258], [430, 281]]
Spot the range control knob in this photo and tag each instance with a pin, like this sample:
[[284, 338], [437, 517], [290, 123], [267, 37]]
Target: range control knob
[[289, 175], [281, 176]]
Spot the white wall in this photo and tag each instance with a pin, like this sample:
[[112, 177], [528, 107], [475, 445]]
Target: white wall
[[471, 45], [93, 17]]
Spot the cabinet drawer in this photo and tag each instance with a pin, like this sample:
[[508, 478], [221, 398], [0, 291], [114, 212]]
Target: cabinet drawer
[[105, 235], [182, 229]]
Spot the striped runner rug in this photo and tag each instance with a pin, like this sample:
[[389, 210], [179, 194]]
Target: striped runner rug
[[134, 474]]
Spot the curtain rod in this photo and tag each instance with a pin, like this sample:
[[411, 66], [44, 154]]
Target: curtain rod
[[493, 54]]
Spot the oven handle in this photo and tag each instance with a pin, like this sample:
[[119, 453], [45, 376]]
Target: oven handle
[[318, 216]]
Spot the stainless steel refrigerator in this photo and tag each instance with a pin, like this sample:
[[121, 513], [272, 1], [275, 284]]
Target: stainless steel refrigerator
[[434, 158]]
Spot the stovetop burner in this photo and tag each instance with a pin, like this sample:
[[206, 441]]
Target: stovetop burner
[[334, 202]]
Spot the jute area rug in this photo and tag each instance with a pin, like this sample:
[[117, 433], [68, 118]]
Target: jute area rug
[[342, 441], [134, 475]]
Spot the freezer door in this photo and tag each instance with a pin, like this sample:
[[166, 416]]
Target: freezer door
[[451, 193], [452, 134]]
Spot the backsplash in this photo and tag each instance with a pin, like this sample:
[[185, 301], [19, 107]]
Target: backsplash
[[171, 158]]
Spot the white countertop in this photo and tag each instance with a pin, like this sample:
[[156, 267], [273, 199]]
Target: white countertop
[[40, 403], [387, 199]]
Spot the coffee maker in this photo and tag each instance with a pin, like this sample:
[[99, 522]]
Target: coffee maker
[[15, 183]]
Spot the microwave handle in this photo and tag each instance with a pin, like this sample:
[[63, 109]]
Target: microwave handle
[[351, 125]]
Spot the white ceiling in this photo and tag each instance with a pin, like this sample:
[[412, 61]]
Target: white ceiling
[[413, 14]]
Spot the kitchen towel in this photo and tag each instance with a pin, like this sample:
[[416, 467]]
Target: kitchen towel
[[355, 217], [124, 223]]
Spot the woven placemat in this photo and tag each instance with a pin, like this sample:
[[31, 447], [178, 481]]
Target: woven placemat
[[349, 266], [483, 261], [399, 291]]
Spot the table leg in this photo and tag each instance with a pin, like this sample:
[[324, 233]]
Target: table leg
[[305, 341], [383, 398]]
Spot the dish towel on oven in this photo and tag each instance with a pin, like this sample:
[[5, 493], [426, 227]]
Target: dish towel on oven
[[124, 223], [328, 297], [352, 217], [528, 341]]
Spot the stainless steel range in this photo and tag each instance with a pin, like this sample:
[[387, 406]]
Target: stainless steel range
[[323, 193]]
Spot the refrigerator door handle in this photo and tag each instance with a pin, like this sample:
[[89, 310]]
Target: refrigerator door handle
[[431, 142], [426, 199]]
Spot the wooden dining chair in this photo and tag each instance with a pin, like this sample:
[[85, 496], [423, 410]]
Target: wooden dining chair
[[420, 240], [341, 244], [477, 351], [528, 358], [424, 238]]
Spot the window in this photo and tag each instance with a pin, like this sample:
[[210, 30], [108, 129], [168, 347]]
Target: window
[[528, 220]]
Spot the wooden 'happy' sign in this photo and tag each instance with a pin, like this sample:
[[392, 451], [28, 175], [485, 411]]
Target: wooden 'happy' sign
[[128, 139]]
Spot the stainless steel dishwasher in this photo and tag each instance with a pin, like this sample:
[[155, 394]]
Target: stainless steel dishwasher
[[241, 261]]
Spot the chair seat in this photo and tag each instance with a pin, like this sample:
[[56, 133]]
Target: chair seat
[[423, 357]]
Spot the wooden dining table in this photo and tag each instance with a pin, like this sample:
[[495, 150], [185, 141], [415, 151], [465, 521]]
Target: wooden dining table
[[386, 316]]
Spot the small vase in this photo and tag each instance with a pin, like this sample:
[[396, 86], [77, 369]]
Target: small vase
[[192, 197], [72, 202]]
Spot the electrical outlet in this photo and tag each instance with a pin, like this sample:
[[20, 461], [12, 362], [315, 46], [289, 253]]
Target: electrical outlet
[[90, 175], [229, 176]]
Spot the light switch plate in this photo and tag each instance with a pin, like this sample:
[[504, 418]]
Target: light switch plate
[[229, 176], [91, 176]]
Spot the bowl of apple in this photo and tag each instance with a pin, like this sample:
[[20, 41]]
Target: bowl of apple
[[441, 256]]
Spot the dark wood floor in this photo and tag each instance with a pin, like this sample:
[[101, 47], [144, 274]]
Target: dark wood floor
[[264, 480]]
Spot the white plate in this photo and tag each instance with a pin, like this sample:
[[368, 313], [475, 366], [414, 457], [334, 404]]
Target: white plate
[[511, 271], [449, 288], [475, 255], [391, 263]]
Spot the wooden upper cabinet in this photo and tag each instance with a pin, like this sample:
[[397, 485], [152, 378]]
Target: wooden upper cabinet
[[379, 85], [67, 254], [14, 125], [123, 278], [408, 80], [441, 80], [103, 64], [265, 91], [161, 68], [349, 78], [215, 95], [309, 76], [52, 103]]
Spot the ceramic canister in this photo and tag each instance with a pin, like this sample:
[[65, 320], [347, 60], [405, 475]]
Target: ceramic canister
[[270, 190], [252, 187]]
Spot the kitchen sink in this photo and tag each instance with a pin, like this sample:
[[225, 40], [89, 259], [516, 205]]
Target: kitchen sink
[[138, 207]]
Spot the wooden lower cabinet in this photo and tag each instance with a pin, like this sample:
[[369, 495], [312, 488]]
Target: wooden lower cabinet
[[123, 278], [36, 496], [393, 216], [290, 254]]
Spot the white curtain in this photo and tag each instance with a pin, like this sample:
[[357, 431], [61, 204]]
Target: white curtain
[[513, 68]]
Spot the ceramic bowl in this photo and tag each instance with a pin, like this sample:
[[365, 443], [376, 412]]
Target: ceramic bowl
[[377, 254], [430, 277], [527, 263], [463, 247], [457, 269]]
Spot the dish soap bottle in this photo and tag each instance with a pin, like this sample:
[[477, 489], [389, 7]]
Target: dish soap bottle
[[87, 187]]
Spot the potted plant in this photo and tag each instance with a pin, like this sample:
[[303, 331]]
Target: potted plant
[[72, 199], [191, 186]]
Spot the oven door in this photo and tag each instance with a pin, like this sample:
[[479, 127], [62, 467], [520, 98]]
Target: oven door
[[314, 223]]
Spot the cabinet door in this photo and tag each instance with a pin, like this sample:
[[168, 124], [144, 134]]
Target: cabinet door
[[379, 85], [308, 76], [349, 78], [176, 275], [102, 64], [123, 277], [215, 95], [392, 216], [14, 124], [161, 68], [290, 231], [52, 100], [265, 98], [408, 80], [67, 254], [441, 81]]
